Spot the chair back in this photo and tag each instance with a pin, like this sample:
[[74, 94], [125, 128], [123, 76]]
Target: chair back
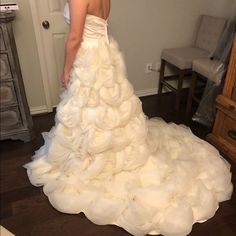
[[209, 32]]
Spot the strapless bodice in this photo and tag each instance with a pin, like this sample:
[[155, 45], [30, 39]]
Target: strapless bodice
[[95, 28]]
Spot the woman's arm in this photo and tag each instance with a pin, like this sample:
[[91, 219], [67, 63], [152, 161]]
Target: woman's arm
[[78, 11]]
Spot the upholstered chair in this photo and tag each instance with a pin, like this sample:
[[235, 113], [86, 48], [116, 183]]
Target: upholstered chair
[[204, 69], [208, 33]]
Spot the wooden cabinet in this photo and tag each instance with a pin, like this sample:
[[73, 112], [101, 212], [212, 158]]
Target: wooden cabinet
[[15, 118], [224, 131]]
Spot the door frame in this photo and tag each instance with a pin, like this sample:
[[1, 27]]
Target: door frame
[[40, 49]]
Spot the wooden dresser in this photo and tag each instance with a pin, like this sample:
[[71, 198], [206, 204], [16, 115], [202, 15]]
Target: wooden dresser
[[15, 118], [224, 131]]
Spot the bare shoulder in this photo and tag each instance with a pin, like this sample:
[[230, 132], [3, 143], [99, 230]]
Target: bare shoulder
[[78, 12], [75, 3], [78, 6], [99, 1]]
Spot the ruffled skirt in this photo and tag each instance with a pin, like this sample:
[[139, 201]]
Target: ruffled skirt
[[104, 157]]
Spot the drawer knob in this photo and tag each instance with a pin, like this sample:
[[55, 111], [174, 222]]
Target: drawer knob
[[232, 134]]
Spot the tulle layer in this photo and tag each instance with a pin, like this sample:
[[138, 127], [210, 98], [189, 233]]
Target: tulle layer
[[103, 157]]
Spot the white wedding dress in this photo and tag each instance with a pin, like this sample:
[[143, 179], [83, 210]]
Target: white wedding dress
[[103, 157]]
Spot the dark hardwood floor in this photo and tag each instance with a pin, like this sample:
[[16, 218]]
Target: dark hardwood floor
[[26, 211]]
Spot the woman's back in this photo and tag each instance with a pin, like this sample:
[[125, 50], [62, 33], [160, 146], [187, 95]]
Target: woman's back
[[99, 8]]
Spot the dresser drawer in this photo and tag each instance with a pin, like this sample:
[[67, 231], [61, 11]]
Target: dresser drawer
[[2, 43], [228, 130], [10, 119], [5, 72], [7, 94]]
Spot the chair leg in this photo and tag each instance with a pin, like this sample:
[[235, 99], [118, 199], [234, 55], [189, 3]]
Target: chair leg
[[191, 91], [179, 89], [161, 78]]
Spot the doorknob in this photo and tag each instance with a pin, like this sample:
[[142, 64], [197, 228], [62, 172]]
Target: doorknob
[[45, 24]]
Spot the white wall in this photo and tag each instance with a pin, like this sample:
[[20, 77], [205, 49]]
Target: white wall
[[144, 28], [141, 27]]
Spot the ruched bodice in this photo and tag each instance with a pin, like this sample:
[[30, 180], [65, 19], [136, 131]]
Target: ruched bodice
[[95, 27]]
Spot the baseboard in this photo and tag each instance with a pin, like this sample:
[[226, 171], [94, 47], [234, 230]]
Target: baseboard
[[146, 92], [38, 110], [139, 93]]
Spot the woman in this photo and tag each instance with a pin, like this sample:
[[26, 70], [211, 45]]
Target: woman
[[103, 157], [78, 12]]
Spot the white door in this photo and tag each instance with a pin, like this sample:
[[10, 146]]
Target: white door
[[51, 31]]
